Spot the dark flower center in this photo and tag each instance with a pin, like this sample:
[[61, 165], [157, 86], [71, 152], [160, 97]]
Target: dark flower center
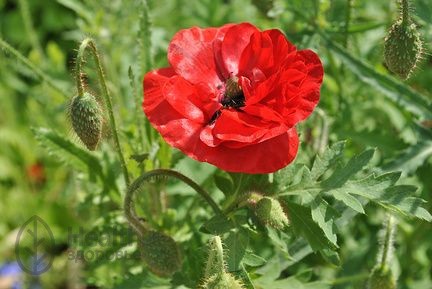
[[233, 96]]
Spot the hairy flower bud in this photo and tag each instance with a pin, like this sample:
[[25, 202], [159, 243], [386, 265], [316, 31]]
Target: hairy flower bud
[[269, 211], [403, 48], [223, 281], [87, 118], [161, 253], [381, 278]]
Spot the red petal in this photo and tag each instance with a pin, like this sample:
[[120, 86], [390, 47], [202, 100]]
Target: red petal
[[265, 52], [192, 55], [236, 39], [308, 91]]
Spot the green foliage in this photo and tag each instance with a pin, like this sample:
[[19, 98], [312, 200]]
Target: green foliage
[[335, 199]]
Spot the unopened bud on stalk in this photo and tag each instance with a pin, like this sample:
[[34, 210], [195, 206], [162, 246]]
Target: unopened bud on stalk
[[161, 253], [270, 212], [403, 47], [87, 119], [381, 277]]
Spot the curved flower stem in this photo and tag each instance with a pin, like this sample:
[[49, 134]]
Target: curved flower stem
[[129, 209], [39, 73], [89, 43]]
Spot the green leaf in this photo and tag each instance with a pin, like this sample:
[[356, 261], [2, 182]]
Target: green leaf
[[250, 259], [328, 158], [354, 165], [236, 244], [67, 151], [324, 216], [395, 90], [224, 183], [304, 225], [347, 199], [217, 225]]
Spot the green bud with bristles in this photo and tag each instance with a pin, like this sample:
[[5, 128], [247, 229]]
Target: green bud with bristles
[[222, 281], [215, 275], [270, 212], [403, 47], [161, 253], [381, 277], [87, 119]]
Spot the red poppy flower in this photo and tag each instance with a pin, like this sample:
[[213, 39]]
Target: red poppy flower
[[233, 95]]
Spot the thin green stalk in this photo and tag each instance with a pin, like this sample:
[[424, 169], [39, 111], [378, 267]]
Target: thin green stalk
[[405, 6], [129, 209], [215, 261], [89, 43], [145, 38], [387, 246], [38, 73], [28, 24], [138, 111], [347, 21]]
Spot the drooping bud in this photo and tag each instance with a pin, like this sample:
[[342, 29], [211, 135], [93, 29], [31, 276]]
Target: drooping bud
[[403, 47], [161, 253], [270, 212], [381, 278], [87, 119]]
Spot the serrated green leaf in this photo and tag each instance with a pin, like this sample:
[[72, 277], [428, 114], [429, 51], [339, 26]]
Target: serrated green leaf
[[399, 199], [324, 216], [354, 165], [347, 199], [236, 244], [328, 158], [395, 90], [303, 224]]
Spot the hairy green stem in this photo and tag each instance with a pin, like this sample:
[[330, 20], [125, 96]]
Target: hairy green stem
[[28, 24], [387, 246], [215, 262], [138, 111], [145, 38], [405, 6], [38, 73], [89, 43], [129, 209]]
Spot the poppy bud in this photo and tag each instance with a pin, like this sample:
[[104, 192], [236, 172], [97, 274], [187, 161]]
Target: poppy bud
[[87, 118], [161, 253], [381, 277], [223, 281], [270, 212], [403, 46]]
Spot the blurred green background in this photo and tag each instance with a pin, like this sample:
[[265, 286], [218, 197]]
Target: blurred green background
[[35, 178]]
